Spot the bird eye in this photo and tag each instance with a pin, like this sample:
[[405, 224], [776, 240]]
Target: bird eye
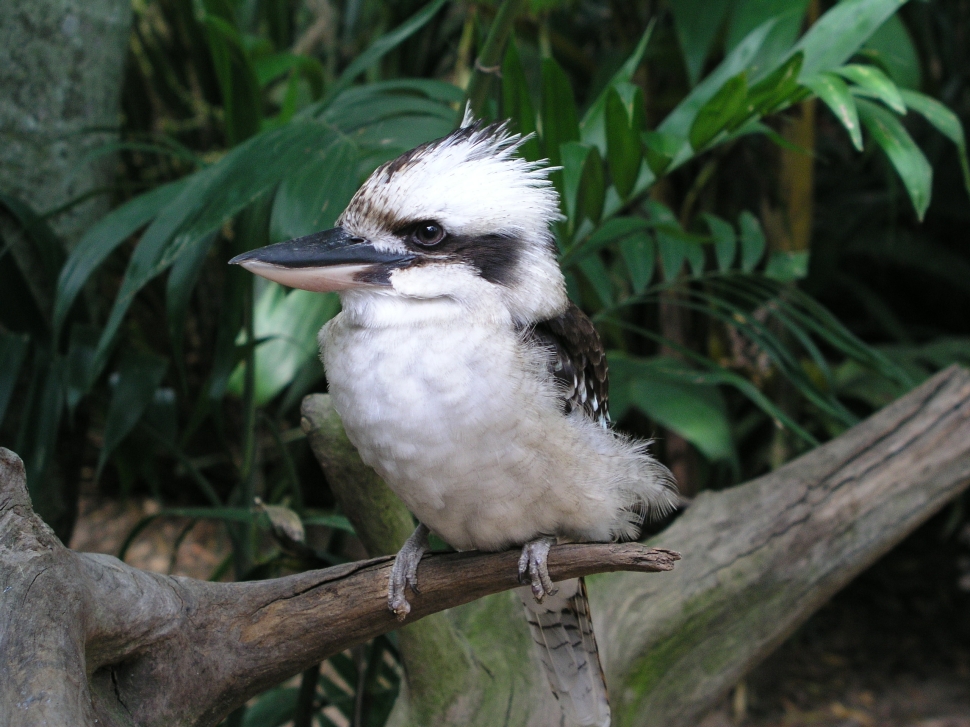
[[428, 234]]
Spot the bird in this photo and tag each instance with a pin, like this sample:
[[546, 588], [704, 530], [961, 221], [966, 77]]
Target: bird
[[470, 382]]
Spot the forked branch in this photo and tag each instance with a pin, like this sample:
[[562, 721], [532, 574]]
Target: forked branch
[[87, 639]]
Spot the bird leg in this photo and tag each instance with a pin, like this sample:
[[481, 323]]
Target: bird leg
[[534, 569], [404, 573]]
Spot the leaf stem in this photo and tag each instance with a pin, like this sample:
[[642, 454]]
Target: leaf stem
[[488, 61]]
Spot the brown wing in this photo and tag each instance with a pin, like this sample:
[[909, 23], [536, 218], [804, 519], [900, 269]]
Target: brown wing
[[578, 361]]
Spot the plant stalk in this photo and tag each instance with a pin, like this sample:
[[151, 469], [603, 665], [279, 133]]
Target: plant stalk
[[489, 60]]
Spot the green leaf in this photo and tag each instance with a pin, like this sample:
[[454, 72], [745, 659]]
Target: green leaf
[[673, 250], [624, 121], [719, 111], [944, 121], [46, 245], [786, 266], [725, 241], [835, 94], [660, 148], [287, 322], [573, 156], [892, 48], [80, 361], [584, 187], [680, 121], [242, 100], [311, 198], [747, 16], [559, 120], [139, 375], [670, 393], [164, 147], [178, 290], [594, 120], [696, 23], [208, 200], [910, 163], [38, 437], [596, 273], [388, 118], [337, 522], [775, 91], [875, 82], [272, 708], [13, 350], [640, 255], [752, 241], [103, 239], [613, 230], [517, 102], [671, 240], [841, 31], [228, 514], [382, 46], [269, 68], [592, 189], [694, 253]]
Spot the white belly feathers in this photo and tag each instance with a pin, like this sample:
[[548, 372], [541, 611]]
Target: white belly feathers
[[462, 421]]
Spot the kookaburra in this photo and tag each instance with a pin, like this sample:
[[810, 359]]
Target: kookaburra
[[465, 377]]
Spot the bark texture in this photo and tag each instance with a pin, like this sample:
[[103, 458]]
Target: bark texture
[[86, 639], [759, 559], [61, 65]]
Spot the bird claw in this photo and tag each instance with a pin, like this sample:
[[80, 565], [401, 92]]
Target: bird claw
[[404, 572], [534, 570]]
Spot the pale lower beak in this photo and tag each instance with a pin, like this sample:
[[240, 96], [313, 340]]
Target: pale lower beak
[[323, 262]]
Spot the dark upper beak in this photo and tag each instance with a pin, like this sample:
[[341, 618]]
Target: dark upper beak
[[322, 262]]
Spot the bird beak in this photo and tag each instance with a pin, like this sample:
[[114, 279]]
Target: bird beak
[[323, 262]]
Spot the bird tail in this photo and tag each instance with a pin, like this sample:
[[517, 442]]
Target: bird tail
[[563, 630]]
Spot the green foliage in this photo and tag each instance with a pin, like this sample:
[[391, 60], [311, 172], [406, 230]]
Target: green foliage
[[188, 375]]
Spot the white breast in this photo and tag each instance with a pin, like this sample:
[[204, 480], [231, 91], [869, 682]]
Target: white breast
[[462, 422]]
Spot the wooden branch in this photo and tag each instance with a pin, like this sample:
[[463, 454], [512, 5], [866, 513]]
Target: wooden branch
[[87, 639], [759, 559]]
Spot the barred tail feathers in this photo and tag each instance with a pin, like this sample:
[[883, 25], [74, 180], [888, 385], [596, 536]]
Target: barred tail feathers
[[563, 631]]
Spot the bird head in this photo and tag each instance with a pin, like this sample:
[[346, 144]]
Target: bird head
[[461, 218]]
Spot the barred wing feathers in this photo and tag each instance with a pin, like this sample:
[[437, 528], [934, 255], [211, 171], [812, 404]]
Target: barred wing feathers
[[563, 631], [578, 361], [561, 625]]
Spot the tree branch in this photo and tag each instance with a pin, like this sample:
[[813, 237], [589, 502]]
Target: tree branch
[[86, 637], [762, 557]]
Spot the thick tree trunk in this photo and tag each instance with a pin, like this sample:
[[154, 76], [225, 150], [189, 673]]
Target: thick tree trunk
[[758, 560], [61, 70], [86, 639], [61, 65]]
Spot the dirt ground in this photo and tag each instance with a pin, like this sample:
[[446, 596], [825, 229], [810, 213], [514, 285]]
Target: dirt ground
[[104, 525], [891, 650]]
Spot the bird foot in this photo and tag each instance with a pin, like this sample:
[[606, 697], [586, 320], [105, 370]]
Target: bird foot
[[404, 572], [534, 570]]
